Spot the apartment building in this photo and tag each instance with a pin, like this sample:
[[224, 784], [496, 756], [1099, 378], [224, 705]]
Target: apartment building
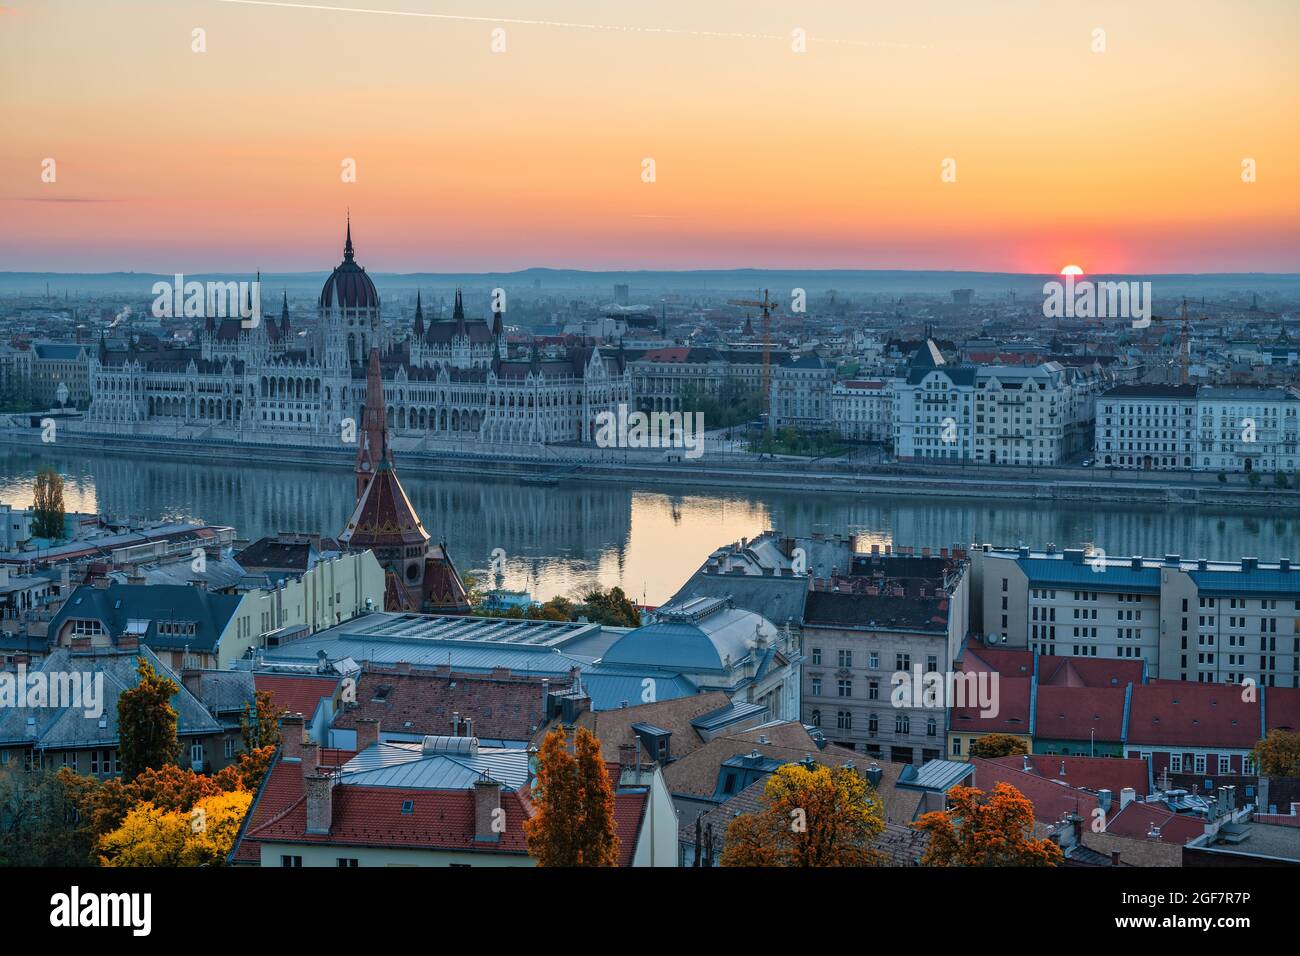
[[1199, 428], [801, 393], [863, 410], [1248, 429], [890, 614], [1206, 621], [991, 414], [1148, 427]]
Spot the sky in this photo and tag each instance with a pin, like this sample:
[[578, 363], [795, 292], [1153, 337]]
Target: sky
[[989, 135]]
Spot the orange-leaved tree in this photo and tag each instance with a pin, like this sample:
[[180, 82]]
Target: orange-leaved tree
[[574, 800], [1278, 754], [813, 816], [997, 830]]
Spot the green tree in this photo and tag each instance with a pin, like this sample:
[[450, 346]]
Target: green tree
[[611, 608], [1254, 479], [1280, 479], [47, 505], [37, 820], [146, 723], [998, 745]]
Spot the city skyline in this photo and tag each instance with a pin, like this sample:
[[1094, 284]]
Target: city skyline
[[475, 161]]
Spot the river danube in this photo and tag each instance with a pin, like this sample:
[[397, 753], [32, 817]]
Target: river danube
[[559, 539]]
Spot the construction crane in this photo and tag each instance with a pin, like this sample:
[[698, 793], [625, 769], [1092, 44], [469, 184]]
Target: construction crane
[[767, 305], [1185, 342]]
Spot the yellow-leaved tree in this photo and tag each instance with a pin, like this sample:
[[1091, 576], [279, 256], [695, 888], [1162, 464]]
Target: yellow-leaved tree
[[201, 836], [813, 816]]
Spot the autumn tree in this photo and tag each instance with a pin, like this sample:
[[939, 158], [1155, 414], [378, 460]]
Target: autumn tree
[[259, 725], [146, 723], [574, 800], [976, 830], [998, 745], [199, 836], [812, 816], [47, 505], [1278, 754], [611, 608]]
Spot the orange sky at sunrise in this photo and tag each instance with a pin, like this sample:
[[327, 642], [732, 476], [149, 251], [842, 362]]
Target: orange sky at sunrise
[[1123, 161]]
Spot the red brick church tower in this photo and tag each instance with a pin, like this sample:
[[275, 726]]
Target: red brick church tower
[[418, 576]]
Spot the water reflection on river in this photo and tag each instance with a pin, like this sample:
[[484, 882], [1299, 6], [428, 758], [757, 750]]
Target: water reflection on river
[[647, 540]]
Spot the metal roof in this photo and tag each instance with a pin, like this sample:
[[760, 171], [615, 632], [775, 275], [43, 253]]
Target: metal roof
[[407, 765], [937, 775]]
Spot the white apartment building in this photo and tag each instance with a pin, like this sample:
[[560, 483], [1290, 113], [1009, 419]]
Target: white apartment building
[[1149, 427], [863, 410], [933, 408], [801, 393], [1205, 428], [1247, 429], [991, 414]]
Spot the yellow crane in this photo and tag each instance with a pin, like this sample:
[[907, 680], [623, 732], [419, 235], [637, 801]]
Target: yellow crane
[[768, 305]]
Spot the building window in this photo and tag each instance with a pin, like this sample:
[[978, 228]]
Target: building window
[[816, 655], [844, 720], [346, 862], [287, 860], [846, 687], [846, 658], [902, 724], [817, 718]]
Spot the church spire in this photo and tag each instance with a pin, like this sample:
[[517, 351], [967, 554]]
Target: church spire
[[459, 315], [373, 451], [284, 312], [347, 246], [419, 316]]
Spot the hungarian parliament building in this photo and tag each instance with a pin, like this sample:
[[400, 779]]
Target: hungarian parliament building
[[452, 379]]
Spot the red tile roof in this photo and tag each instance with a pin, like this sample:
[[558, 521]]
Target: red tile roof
[[1071, 713], [1136, 819], [1186, 713], [502, 708], [1013, 710], [373, 817], [296, 693], [1052, 801], [1053, 670], [1085, 773], [1282, 708]]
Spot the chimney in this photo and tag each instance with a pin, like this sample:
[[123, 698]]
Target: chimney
[[291, 737], [319, 788], [1127, 796], [310, 758], [367, 732], [626, 759], [402, 667], [1114, 857], [128, 642], [191, 677], [487, 800], [874, 773], [1104, 800]]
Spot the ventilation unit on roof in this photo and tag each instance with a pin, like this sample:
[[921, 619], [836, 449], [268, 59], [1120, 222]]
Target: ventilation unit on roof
[[450, 745]]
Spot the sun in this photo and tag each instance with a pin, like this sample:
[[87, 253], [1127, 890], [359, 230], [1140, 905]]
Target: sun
[[1071, 270]]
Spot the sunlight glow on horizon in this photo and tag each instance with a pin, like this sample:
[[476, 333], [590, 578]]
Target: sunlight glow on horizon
[[470, 160]]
